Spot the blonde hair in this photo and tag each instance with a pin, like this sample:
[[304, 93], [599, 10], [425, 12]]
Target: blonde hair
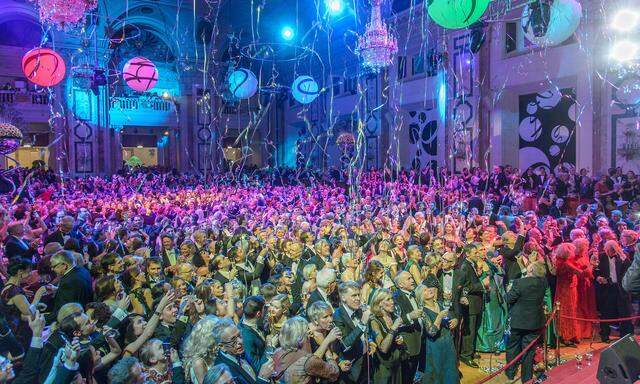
[[200, 344], [308, 270], [378, 297]]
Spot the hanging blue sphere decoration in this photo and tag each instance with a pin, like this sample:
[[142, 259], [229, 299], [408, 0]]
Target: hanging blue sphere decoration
[[243, 83], [305, 89]]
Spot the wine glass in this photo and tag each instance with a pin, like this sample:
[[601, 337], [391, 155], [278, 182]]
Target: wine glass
[[579, 361], [588, 357]]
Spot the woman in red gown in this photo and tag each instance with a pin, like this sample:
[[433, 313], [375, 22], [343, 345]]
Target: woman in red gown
[[586, 289], [567, 293]]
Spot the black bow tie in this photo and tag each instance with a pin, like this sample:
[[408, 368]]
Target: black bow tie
[[357, 314], [450, 273]]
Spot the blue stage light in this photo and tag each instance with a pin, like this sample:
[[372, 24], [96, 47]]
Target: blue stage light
[[287, 33], [334, 6]]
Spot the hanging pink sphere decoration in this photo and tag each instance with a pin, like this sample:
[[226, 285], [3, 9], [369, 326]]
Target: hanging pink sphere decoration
[[140, 74], [44, 67], [65, 14]]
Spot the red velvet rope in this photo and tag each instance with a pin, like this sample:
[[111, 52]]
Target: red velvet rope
[[519, 356], [601, 320]]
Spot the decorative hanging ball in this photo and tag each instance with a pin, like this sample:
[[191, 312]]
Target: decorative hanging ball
[[140, 74], [44, 67], [305, 89], [10, 138], [550, 24], [456, 14], [243, 83]]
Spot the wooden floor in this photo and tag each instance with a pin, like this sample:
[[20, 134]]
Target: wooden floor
[[489, 361]]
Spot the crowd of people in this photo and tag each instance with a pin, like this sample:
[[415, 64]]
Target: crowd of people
[[288, 277]]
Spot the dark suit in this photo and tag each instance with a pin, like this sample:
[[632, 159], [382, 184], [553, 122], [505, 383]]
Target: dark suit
[[411, 332], [14, 247], [509, 263], [525, 300], [468, 285], [314, 296], [353, 348], [74, 287], [30, 367], [613, 301], [254, 346], [240, 374]]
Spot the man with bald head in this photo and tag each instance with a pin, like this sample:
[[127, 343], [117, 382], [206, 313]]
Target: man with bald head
[[15, 246]]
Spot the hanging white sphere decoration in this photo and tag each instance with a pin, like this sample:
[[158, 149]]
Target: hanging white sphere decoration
[[548, 25], [243, 83], [305, 89]]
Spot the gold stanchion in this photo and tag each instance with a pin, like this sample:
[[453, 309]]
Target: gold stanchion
[[544, 340], [557, 325]]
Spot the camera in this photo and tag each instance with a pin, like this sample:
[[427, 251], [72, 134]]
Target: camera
[[445, 322]]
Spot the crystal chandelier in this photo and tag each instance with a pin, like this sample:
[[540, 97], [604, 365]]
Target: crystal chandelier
[[65, 14], [377, 46]]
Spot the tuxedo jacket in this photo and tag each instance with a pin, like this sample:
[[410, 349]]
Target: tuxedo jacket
[[604, 269], [526, 300], [74, 287], [411, 331], [14, 247], [240, 375], [468, 285], [254, 346], [455, 300], [314, 296], [509, 262], [352, 344]]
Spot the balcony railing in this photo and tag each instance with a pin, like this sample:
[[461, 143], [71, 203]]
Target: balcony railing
[[14, 97], [139, 103]]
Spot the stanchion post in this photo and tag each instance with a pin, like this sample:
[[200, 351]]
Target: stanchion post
[[557, 325], [544, 340]]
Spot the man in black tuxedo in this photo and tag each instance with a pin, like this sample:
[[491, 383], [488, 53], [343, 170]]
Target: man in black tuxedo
[[326, 286], [253, 338], [15, 246], [526, 300], [352, 322], [63, 233], [75, 283], [613, 301], [509, 249], [469, 293], [411, 332], [231, 352]]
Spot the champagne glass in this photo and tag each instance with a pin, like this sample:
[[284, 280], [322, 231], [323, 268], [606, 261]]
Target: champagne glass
[[588, 357], [579, 361]]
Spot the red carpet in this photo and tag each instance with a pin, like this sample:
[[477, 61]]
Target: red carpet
[[568, 373]]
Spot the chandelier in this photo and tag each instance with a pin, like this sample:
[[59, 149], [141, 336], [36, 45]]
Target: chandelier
[[65, 14], [377, 46]]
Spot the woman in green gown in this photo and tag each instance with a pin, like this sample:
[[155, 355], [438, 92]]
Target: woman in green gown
[[494, 316]]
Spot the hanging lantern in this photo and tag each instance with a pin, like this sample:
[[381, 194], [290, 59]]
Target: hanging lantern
[[10, 138], [44, 67], [377, 46], [456, 14], [140, 74]]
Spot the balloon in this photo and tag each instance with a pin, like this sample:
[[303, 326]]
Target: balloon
[[455, 14], [305, 89], [44, 67], [140, 74], [563, 20], [243, 83]]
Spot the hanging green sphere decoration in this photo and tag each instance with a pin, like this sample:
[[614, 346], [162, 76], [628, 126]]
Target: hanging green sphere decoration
[[456, 14]]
